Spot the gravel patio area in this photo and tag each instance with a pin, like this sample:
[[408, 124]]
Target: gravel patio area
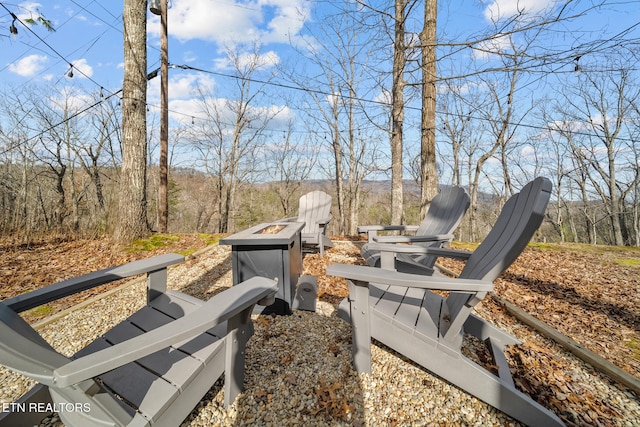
[[299, 372]]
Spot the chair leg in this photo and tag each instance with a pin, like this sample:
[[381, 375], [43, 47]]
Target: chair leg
[[240, 329], [502, 395], [360, 328], [451, 365]]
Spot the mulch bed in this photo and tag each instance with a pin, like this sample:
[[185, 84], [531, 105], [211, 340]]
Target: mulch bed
[[589, 294]]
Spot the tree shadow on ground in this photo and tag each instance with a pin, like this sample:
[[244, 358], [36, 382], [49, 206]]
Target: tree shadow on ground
[[615, 312]]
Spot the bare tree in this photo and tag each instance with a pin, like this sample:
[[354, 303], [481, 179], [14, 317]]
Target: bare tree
[[428, 175], [132, 209], [232, 132], [18, 164], [290, 164], [397, 109], [601, 103], [455, 119], [337, 111]]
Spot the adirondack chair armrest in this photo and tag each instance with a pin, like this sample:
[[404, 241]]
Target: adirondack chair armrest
[[362, 276], [324, 221], [415, 249], [218, 309], [413, 239], [372, 230], [87, 281], [368, 228]]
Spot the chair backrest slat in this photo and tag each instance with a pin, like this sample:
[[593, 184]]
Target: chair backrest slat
[[520, 218], [23, 350], [518, 221], [445, 212], [312, 207]]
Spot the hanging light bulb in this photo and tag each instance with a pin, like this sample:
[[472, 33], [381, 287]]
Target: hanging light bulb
[[155, 7], [12, 28], [70, 73], [193, 121]]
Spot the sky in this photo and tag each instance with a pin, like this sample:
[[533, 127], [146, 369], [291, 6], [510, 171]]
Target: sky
[[87, 41], [88, 34]]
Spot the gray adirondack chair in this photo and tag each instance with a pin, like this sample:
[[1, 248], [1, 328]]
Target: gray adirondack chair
[[151, 369], [401, 311], [314, 209], [443, 217]]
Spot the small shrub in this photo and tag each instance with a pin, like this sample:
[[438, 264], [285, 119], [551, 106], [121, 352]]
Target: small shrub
[[41, 311], [210, 239], [628, 262], [151, 243]]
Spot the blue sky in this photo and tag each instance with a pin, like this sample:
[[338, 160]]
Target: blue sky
[[88, 40], [89, 34]]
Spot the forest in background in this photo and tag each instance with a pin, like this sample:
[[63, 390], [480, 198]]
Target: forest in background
[[509, 107], [89, 207]]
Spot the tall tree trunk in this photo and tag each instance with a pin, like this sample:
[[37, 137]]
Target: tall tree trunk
[[615, 202], [428, 170], [397, 113], [339, 174], [132, 218]]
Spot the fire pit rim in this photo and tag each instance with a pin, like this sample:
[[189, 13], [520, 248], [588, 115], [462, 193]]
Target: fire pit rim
[[274, 228], [249, 237]]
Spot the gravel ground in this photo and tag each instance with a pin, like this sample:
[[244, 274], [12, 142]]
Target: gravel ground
[[299, 372]]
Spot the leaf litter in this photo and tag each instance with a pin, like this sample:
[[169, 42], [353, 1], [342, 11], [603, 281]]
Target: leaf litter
[[591, 298]]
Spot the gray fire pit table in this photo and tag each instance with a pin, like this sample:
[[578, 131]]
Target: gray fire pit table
[[272, 250]]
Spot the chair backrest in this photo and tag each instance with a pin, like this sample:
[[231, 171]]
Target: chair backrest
[[520, 218], [444, 215], [24, 350], [312, 207], [518, 221], [445, 212]]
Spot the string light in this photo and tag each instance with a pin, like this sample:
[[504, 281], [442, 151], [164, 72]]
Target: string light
[[13, 29]]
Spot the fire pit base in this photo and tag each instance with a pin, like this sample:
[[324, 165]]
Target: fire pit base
[[276, 255]]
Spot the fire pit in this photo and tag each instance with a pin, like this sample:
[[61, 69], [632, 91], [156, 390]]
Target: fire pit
[[271, 229], [270, 250]]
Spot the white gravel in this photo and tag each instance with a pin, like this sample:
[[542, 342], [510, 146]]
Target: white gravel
[[299, 372]]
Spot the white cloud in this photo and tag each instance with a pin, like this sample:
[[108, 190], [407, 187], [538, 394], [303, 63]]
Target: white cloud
[[183, 86], [288, 19], [333, 99], [384, 96], [190, 109], [189, 56], [250, 60], [229, 21], [29, 65], [189, 85], [500, 9], [194, 110], [27, 10], [494, 45], [83, 69], [71, 100], [527, 151]]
